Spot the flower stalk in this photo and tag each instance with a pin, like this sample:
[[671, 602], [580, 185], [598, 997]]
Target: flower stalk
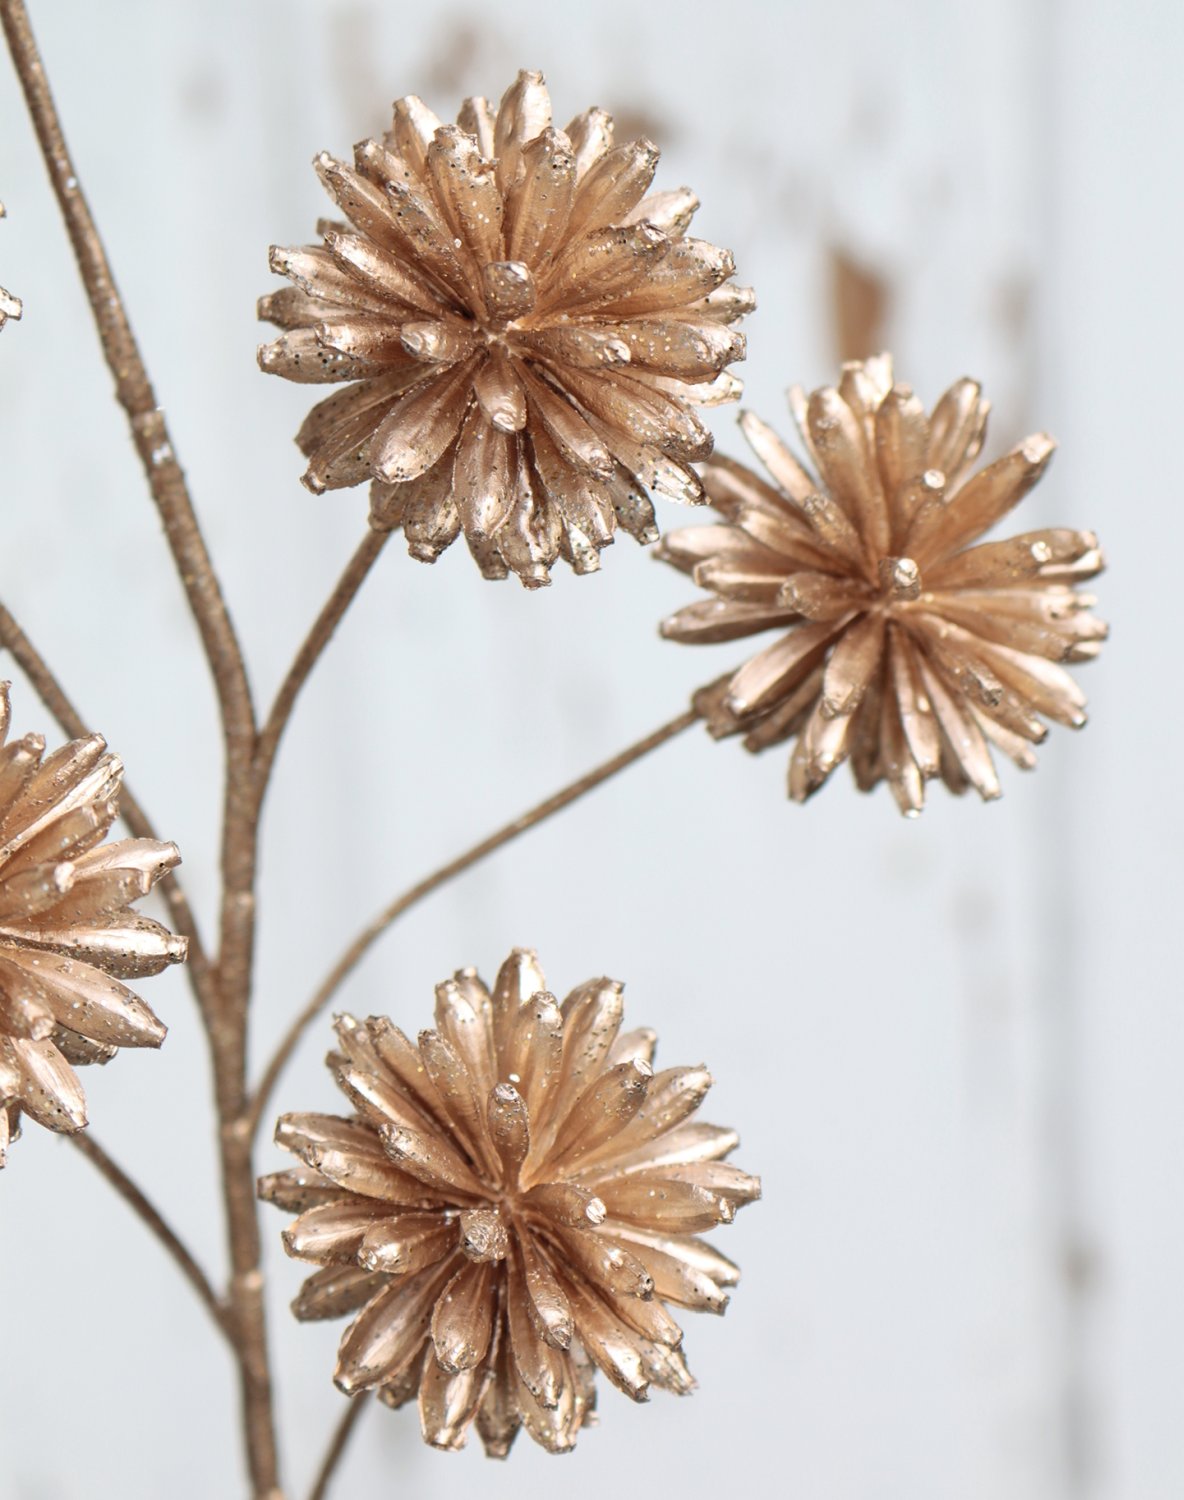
[[141, 1205], [390, 914], [523, 332], [223, 981], [226, 1022]]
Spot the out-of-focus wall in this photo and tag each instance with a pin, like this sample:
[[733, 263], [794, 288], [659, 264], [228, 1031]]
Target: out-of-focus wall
[[952, 1046]]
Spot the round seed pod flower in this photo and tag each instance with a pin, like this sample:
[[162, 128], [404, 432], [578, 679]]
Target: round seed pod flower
[[523, 330], [68, 934], [904, 643], [511, 1205]]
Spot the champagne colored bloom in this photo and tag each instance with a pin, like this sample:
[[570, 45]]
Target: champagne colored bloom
[[512, 1205], [905, 643], [523, 327], [68, 934]]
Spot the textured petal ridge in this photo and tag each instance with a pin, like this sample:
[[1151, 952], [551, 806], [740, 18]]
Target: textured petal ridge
[[69, 935], [514, 1202], [522, 329], [907, 644]]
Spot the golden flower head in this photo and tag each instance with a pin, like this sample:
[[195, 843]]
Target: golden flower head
[[512, 1204], [10, 306], [905, 643], [524, 331], [68, 935]]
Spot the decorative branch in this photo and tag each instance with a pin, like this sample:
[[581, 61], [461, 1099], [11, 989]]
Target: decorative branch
[[140, 1205], [53, 695], [133, 389], [227, 1025], [337, 1446], [357, 950], [309, 654]]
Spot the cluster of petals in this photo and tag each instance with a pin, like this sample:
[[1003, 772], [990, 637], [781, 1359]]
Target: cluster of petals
[[522, 327], [905, 643], [511, 1205], [68, 934]]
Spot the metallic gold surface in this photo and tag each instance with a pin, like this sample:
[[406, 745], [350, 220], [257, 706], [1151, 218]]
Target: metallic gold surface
[[511, 1205], [908, 645], [68, 934], [524, 327]]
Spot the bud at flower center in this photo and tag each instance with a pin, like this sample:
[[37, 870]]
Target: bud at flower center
[[900, 578]]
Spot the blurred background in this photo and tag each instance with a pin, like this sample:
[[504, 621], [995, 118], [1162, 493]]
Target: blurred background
[[953, 1046]]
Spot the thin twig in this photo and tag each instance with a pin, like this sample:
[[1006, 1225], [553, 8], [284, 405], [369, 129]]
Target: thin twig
[[227, 1027], [337, 1446], [353, 955], [132, 386], [315, 642], [52, 694], [85, 1142]]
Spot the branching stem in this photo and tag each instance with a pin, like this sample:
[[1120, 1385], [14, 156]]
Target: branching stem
[[223, 983], [310, 652], [337, 1446], [227, 1021], [370, 934], [138, 1202], [51, 693]]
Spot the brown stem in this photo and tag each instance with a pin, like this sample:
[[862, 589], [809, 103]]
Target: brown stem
[[370, 934], [85, 1142], [245, 789], [337, 1446], [314, 644], [227, 1024], [51, 693], [246, 1298], [132, 386]]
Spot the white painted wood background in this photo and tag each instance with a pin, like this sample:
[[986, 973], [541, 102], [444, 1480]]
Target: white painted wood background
[[953, 1047]]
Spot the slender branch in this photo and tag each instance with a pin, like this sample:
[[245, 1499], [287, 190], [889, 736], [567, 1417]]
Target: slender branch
[[337, 1446], [227, 1026], [132, 386], [52, 694], [369, 935], [84, 1142], [307, 657], [245, 792]]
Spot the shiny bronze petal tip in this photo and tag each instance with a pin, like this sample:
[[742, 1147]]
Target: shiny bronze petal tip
[[522, 328], [905, 644], [68, 933], [514, 1202]]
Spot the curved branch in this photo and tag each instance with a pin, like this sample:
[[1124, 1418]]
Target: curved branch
[[84, 1142], [52, 694], [309, 654], [357, 950], [337, 1446], [134, 390], [226, 1023]]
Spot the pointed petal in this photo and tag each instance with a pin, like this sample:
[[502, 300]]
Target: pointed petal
[[462, 1322], [382, 1341], [421, 425]]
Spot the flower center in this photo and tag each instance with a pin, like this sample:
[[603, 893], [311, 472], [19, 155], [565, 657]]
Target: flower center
[[900, 579]]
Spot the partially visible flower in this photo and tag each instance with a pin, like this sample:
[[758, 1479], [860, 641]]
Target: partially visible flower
[[901, 645], [511, 1205], [525, 329], [68, 934], [10, 306]]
